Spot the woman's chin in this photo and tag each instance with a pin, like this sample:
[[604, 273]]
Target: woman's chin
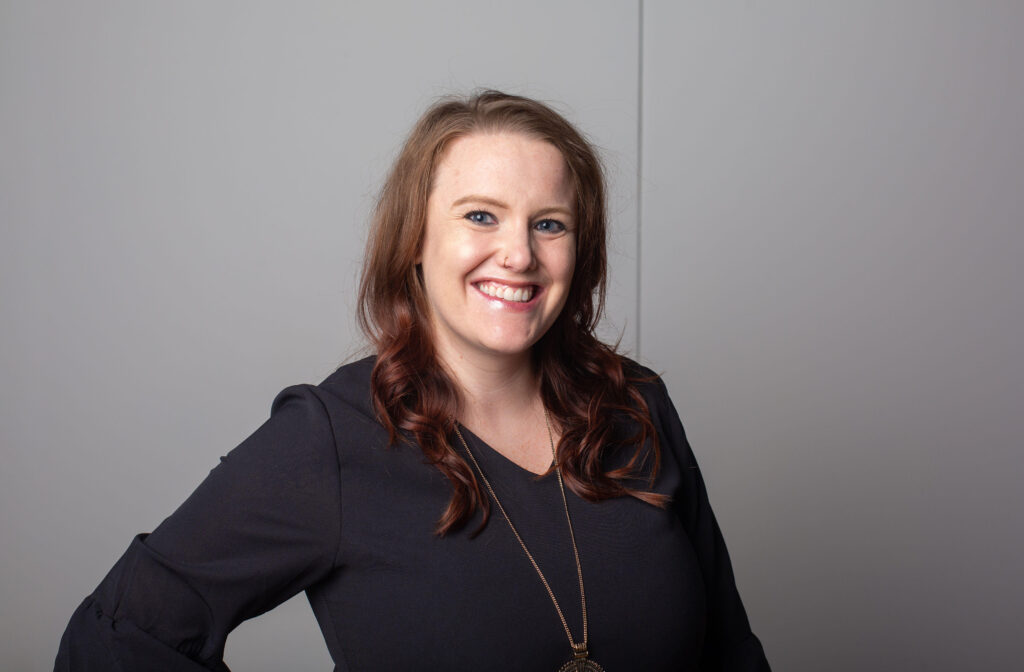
[[509, 350], [507, 346]]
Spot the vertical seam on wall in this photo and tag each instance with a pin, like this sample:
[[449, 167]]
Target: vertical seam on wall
[[639, 167]]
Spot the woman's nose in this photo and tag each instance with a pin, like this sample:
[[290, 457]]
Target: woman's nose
[[516, 250]]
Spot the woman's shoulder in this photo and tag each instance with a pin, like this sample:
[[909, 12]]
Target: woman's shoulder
[[346, 391], [341, 399], [660, 406], [646, 380], [637, 371], [351, 382]]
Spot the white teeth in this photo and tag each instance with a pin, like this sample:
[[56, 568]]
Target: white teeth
[[506, 293]]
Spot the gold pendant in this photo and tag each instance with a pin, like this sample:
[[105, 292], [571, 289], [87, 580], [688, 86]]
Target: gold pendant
[[581, 665]]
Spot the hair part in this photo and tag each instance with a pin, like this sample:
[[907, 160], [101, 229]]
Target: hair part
[[584, 384]]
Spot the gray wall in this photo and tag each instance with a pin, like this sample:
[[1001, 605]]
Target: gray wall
[[831, 248], [825, 272]]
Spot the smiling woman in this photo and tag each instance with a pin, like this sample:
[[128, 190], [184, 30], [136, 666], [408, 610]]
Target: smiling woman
[[372, 491]]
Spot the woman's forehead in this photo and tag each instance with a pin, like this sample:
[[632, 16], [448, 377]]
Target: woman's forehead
[[504, 166]]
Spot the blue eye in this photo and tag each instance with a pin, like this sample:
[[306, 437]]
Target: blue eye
[[550, 226], [480, 217]]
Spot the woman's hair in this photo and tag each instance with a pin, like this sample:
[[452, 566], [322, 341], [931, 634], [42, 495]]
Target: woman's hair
[[584, 384]]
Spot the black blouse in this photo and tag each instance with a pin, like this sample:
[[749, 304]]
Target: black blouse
[[316, 500]]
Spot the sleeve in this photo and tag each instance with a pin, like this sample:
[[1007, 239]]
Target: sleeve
[[729, 644], [264, 525]]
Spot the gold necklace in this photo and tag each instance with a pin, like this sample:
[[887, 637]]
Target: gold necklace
[[580, 661]]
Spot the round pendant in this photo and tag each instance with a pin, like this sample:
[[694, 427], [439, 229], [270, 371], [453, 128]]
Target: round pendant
[[581, 665]]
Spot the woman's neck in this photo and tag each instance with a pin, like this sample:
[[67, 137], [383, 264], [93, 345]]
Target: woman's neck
[[493, 389], [500, 402]]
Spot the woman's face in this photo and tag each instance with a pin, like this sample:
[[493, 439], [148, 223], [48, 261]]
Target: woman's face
[[499, 249]]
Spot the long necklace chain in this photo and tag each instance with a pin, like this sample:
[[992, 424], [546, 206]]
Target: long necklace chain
[[579, 648]]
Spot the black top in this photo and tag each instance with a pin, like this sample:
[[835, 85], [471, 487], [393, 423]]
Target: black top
[[316, 500]]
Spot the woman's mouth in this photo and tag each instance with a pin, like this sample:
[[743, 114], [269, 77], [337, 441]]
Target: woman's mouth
[[497, 290]]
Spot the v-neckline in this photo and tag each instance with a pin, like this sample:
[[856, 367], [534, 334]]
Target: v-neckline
[[502, 458]]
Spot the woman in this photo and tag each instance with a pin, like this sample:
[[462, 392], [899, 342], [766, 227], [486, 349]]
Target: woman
[[494, 489]]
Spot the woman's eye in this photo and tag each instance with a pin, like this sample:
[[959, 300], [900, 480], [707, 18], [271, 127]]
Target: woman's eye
[[550, 226], [480, 217]]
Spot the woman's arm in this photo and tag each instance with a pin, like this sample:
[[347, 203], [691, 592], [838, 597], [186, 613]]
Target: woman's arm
[[264, 525], [729, 644]]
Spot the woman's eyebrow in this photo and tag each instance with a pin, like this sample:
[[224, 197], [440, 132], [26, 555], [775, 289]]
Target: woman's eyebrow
[[554, 210], [474, 198]]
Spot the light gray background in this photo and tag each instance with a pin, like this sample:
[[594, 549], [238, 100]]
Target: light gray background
[[826, 270]]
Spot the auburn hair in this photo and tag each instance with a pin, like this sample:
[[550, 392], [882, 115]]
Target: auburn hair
[[585, 384]]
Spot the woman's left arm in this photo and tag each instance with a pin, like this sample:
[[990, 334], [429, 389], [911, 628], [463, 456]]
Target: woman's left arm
[[729, 644]]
